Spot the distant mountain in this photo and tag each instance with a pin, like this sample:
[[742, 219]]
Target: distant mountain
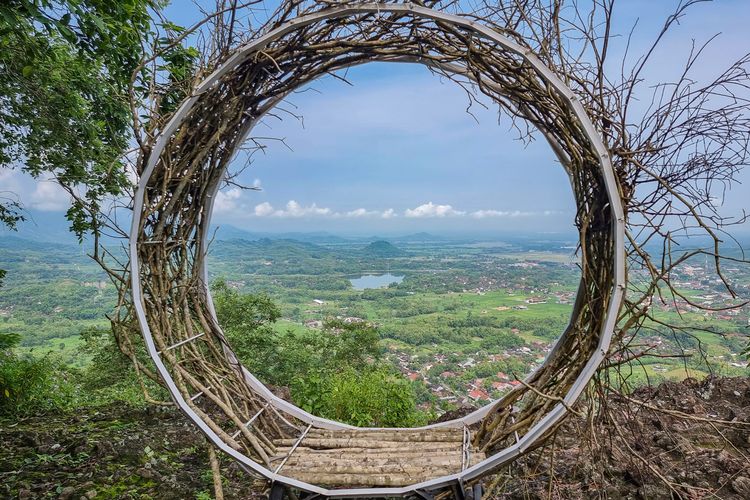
[[283, 249], [420, 238], [11, 242], [320, 237], [48, 227], [382, 249], [54, 227], [226, 232]]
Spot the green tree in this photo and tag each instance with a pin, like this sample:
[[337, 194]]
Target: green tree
[[29, 384], [109, 375], [247, 323], [376, 396], [335, 372], [8, 341], [65, 70]]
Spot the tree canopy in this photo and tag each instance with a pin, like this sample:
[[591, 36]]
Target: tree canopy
[[65, 72], [336, 372]]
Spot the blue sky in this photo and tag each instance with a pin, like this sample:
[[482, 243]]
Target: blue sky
[[397, 152]]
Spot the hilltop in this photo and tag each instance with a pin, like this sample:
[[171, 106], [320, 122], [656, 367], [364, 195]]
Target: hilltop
[[382, 249], [160, 455]]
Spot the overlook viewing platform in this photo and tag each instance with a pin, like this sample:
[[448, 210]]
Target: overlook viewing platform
[[382, 457]]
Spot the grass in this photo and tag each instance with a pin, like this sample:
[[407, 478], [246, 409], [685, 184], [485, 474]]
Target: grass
[[67, 348], [445, 306]]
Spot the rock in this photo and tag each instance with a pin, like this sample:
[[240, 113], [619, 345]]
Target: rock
[[91, 494], [724, 459], [663, 440], [612, 491], [654, 491], [459, 412], [282, 392], [30, 439], [683, 446], [145, 473], [741, 485], [67, 492], [102, 448]]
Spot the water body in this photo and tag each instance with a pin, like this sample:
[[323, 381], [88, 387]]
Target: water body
[[375, 281]]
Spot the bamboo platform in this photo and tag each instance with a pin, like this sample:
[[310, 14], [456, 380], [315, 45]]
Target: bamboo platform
[[375, 458]]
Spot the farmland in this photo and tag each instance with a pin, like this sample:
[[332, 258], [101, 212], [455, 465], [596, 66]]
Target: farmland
[[469, 319]]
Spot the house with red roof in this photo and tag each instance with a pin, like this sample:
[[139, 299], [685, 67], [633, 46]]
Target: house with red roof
[[478, 394]]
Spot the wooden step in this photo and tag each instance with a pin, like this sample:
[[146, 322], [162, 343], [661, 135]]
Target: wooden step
[[433, 435], [332, 443], [367, 452], [377, 458]]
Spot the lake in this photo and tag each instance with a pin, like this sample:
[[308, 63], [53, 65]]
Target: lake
[[372, 281]]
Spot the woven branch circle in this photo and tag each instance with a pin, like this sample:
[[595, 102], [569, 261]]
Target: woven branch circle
[[172, 212]]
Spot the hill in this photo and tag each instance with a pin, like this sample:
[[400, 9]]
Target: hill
[[160, 455], [382, 249]]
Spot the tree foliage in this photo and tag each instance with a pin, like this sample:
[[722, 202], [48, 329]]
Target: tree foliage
[[29, 384], [336, 372], [376, 396], [65, 72]]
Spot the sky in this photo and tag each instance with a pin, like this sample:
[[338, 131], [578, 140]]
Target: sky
[[397, 152]]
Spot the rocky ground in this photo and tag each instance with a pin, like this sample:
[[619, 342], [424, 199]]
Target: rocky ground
[[687, 440], [115, 452], [121, 452]]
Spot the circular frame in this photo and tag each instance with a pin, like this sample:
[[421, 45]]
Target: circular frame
[[139, 238]]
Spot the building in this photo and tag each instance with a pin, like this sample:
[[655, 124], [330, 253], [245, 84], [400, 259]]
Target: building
[[478, 394]]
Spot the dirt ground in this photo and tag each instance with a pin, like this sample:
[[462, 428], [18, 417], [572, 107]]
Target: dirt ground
[[121, 452], [686, 451], [116, 452]]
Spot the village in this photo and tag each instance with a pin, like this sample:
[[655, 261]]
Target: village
[[477, 377], [447, 382]]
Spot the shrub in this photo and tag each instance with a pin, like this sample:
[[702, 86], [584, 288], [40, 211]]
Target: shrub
[[110, 376], [335, 372], [32, 385], [372, 397]]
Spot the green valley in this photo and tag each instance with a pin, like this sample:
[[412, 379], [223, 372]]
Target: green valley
[[470, 317]]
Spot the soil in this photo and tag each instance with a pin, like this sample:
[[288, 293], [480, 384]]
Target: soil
[[112, 452], [153, 452], [639, 452]]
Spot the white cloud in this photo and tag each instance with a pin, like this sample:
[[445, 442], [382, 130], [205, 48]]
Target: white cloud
[[427, 210], [362, 212], [43, 194], [9, 182], [431, 210], [256, 184], [292, 209], [481, 214], [228, 201], [48, 196], [264, 209]]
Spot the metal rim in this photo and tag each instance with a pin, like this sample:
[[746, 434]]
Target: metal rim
[[617, 229]]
